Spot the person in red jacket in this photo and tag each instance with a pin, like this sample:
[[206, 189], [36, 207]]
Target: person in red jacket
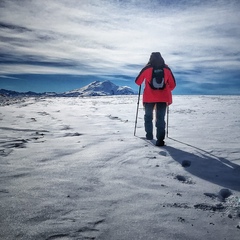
[[159, 83]]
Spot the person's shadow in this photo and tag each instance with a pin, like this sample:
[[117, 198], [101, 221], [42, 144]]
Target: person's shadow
[[207, 166]]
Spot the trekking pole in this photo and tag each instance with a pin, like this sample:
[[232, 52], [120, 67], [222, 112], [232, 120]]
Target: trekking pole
[[137, 110], [167, 119]]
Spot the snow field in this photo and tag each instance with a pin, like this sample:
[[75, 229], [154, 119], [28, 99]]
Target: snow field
[[72, 169]]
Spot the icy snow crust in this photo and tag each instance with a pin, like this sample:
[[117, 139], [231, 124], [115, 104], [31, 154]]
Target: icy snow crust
[[72, 169]]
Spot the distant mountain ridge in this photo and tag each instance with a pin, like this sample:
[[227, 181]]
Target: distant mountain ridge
[[98, 88], [95, 88]]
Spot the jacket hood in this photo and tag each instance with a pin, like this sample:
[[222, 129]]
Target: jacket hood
[[156, 60]]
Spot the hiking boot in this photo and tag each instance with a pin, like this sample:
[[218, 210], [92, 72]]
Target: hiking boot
[[160, 143], [149, 136]]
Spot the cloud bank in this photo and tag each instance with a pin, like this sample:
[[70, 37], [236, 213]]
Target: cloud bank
[[198, 39]]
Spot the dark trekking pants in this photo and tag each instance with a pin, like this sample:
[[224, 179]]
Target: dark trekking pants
[[160, 119]]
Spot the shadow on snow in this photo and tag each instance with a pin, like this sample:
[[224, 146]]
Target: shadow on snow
[[207, 166]]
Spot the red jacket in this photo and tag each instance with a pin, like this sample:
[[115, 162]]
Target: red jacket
[[152, 95]]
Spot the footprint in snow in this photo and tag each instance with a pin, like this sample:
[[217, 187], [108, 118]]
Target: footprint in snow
[[117, 118], [184, 179], [186, 163], [65, 127], [163, 153], [209, 207], [222, 195], [76, 134], [57, 236]]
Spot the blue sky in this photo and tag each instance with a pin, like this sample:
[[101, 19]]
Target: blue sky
[[61, 45]]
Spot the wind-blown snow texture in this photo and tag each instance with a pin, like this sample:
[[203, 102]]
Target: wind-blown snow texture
[[72, 169]]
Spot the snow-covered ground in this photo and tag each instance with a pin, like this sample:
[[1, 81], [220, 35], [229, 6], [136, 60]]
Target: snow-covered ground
[[72, 169]]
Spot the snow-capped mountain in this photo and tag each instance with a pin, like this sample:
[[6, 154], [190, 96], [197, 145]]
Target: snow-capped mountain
[[98, 88]]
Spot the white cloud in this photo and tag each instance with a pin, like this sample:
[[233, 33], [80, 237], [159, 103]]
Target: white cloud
[[107, 36]]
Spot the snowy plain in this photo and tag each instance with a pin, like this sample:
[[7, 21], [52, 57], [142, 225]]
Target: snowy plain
[[71, 168]]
